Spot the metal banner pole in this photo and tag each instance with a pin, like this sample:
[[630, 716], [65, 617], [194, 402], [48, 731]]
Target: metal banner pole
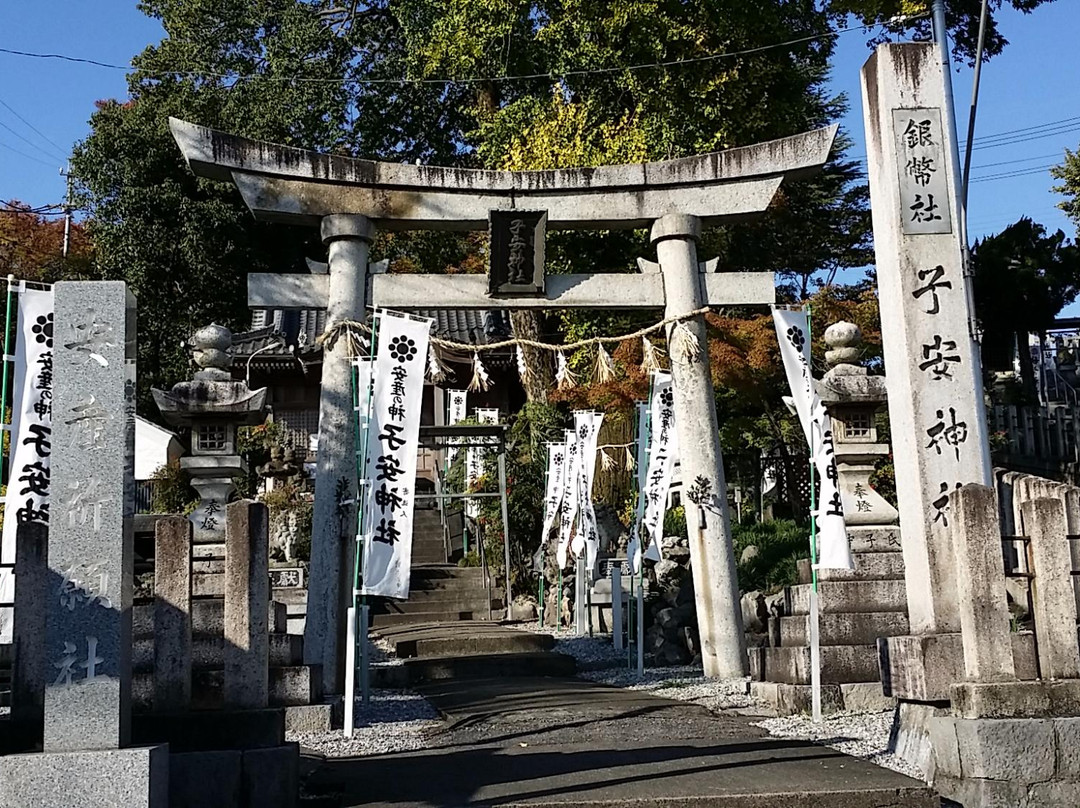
[[350, 670], [815, 639], [365, 657], [508, 597]]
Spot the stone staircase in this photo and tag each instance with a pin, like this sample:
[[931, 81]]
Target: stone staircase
[[438, 592], [856, 607]]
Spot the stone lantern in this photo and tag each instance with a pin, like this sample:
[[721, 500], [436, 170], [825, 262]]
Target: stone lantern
[[853, 399], [214, 406]]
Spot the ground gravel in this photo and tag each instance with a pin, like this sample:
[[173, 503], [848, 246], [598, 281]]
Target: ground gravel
[[394, 721], [863, 735]]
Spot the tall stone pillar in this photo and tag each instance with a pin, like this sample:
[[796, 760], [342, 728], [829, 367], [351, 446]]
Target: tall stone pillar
[[712, 557], [334, 521], [935, 377]]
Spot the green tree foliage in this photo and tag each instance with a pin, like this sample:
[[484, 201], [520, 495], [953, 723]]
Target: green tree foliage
[[1069, 174], [185, 245], [1023, 278]]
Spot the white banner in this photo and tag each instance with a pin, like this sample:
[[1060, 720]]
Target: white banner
[[456, 414], [793, 334], [570, 498], [393, 439], [641, 453], [555, 488], [474, 461], [27, 497], [587, 425], [663, 450]]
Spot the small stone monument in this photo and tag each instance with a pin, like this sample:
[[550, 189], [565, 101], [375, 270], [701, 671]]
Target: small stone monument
[[213, 405], [853, 399]]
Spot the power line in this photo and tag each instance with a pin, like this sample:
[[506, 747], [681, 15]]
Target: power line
[[462, 81], [49, 140], [24, 154], [1050, 133], [1048, 124], [26, 140], [1011, 174]]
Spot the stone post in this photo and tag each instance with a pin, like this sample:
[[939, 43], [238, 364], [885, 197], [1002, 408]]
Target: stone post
[[333, 524], [935, 380], [172, 614], [980, 585], [712, 558], [247, 603], [1052, 590], [88, 620], [29, 671]]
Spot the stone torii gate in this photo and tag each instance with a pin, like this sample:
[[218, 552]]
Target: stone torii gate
[[349, 198]]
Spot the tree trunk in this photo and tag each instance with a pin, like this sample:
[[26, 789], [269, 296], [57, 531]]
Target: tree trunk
[[1027, 368], [526, 325]]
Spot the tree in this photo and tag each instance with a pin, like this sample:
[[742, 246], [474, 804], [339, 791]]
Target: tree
[[185, 245], [1023, 278], [1069, 173], [571, 115], [31, 245], [961, 17]]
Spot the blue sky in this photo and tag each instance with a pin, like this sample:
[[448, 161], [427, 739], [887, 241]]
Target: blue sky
[[1035, 81]]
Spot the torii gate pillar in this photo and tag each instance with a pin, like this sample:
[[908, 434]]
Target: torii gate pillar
[[712, 557], [348, 238]]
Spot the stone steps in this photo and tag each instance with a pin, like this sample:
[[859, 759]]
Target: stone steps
[[836, 597], [412, 618], [449, 601], [868, 567], [209, 652], [415, 671], [840, 664], [207, 618], [289, 686], [476, 639], [858, 628]]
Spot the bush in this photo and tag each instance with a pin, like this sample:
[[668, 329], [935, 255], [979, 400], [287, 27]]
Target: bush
[[779, 545], [675, 522], [171, 491]]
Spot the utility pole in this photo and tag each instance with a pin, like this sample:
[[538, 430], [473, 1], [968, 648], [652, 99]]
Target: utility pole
[[66, 173], [941, 38]]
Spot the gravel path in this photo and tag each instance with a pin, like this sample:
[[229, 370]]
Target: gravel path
[[394, 721], [864, 735]]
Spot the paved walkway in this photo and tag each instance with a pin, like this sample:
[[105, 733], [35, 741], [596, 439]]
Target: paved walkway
[[563, 742]]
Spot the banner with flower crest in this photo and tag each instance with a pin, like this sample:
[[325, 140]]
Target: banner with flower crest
[[393, 440], [28, 488], [793, 334]]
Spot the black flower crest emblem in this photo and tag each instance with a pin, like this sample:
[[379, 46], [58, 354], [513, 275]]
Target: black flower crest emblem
[[402, 349], [43, 329], [667, 398], [796, 338]]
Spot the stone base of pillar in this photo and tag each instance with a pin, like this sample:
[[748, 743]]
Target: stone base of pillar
[[923, 668], [109, 778], [1000, 743]]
